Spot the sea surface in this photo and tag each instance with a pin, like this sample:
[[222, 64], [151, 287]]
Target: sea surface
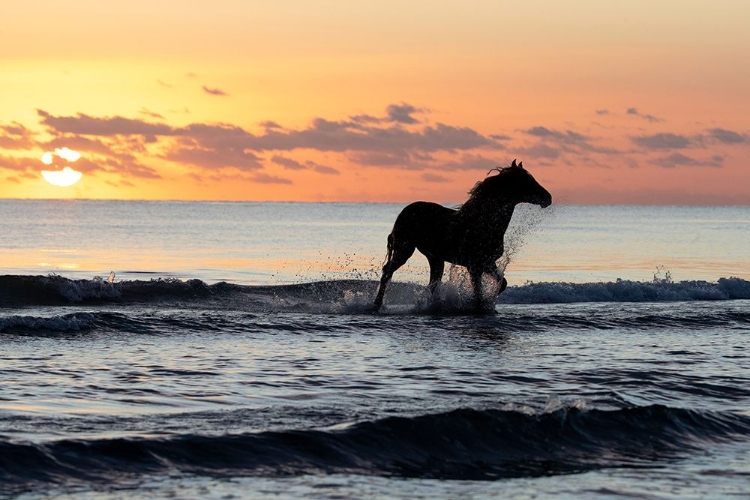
[[226, 350]]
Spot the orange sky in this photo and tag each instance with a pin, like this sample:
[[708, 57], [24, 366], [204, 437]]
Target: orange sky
[[605, 102]]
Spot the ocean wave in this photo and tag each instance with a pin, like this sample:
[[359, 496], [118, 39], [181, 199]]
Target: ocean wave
[[76, 323], [628, 291], [460, 444], [168, 321], [347, 295]]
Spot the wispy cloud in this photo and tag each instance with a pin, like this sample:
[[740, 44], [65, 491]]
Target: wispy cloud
[[568, 136], [83, 124], [647, 117], [725, 136], [325, 170], [291, 164], [18, 164], [263, 178], [680, 160], [214, 91], [402, 113], [539, 150], [287, 163], [15, 136], [664, 140], [150, 114], [430, 177]]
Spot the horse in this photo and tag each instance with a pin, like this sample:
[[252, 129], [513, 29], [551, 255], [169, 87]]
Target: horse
[[470, 235]]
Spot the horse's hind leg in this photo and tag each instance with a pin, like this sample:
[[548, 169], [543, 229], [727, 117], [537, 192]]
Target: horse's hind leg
[[399, 252], [437, 266]]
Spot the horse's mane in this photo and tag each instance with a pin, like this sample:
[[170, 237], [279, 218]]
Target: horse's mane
[[481, 188]]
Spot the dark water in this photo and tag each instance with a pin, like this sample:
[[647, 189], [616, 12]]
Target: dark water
[[280, 384], [183, 388]]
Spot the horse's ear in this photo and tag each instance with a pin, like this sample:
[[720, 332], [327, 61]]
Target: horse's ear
[[520, 165], [513, 165]]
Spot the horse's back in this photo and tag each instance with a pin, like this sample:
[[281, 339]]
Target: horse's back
[[424, 224], [423, 214]]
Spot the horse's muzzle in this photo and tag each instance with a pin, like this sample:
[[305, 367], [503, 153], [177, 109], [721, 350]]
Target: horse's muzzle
[[544, 200]]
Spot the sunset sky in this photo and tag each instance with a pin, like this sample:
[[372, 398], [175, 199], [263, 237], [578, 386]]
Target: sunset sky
[[605, 102]]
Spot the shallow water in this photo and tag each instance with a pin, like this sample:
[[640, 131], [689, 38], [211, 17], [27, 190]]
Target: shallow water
[[571, 388]]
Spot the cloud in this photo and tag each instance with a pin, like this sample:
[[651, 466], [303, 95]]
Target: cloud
[[471, 162], [539, 150], [125, 165], [500, 137], [150, 114], [648, 118], [322, 169], [16, 136], [400, 159], [164, 84], [83, 124], [81, 144], [679, 160], [263, 178], [602, 112], [725, 136], [291, 164], [214, 91], [363, 119], [269, 124], [401, 113], [321, 135], [190, 74], [365, 140], [340, 136], [429, 177], [567, 141], [18, 164], [662, 141], [394, 113], [287, 163], [569, 136], [215, 158]]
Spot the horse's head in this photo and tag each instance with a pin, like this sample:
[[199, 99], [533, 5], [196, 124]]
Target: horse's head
[[515, 184]]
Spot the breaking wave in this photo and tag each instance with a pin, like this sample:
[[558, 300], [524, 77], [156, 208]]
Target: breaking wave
[[20, 291], [460, 444]]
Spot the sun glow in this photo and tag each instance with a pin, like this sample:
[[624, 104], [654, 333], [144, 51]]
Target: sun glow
[[61, 177]]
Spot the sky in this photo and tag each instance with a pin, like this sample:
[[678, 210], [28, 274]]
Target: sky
[[639, 102]]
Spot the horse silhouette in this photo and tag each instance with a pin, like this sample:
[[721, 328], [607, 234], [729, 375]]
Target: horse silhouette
[[470, 236]]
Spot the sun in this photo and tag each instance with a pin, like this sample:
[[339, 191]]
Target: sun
[[65, 176]]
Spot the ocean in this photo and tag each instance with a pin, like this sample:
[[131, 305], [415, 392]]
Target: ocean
[[226, 350]]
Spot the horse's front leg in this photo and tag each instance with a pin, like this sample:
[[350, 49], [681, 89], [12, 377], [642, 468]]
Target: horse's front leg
[[501, 281], [476, 282]]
